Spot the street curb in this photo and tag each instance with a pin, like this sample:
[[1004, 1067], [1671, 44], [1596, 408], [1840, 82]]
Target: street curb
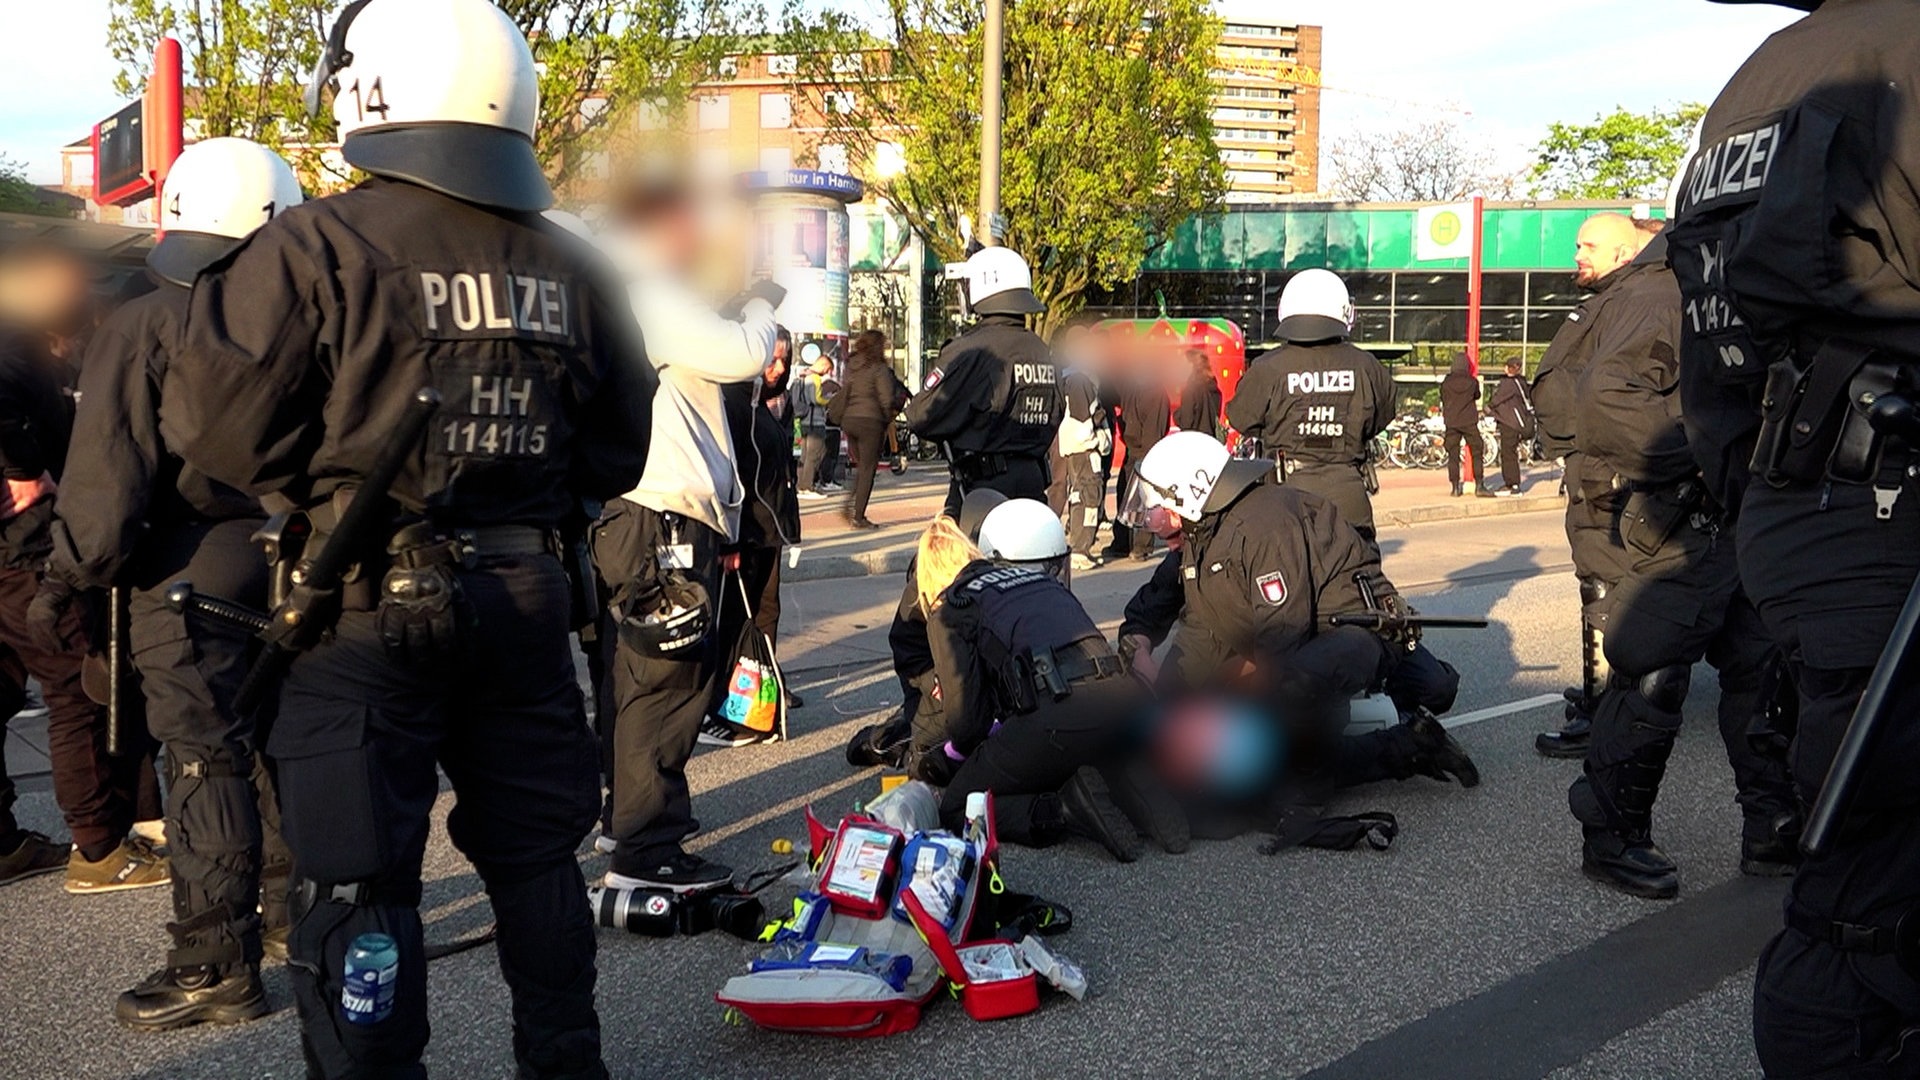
[[895, 560], [1469, 508]]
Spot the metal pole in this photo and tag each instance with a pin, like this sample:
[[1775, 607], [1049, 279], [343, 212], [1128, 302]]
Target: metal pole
[[990, 112], [1473, 470]]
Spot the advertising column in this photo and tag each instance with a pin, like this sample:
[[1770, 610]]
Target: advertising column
[[801, 242]]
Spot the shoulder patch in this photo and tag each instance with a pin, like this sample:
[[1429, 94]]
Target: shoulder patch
[[1272, 588], [933, 379]]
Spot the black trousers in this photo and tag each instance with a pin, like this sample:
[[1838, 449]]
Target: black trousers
[[100, 796], [1829, 577], [1025, 763], [1083, 505], [1341, 484], [13, 698], [1675, 607], [653, 720], [1510, 438], [760, 573], [1024, 478], [357, 742], [815, 469], [223, 818], [866, 440], [1475, 444]]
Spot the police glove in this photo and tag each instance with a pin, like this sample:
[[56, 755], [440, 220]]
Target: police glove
[[422, 616], [767, 289], [46, 612]]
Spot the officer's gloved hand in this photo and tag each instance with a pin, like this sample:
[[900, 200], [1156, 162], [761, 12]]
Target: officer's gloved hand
[[936, 766], [47, 611], [422, 615]]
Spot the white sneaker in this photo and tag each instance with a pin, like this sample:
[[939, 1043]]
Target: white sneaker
[[810, 495], [715, 732], [1084, 562], [1510, 493], [831, 487]]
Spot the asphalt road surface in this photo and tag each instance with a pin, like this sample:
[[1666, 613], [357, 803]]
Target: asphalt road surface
[[1474, 948]]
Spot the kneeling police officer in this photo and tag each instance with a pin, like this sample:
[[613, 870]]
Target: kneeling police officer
[[993, 397], [303, 352], [131, 513]]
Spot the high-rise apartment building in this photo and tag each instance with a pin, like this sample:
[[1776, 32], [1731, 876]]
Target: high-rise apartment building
[[1266, 109]]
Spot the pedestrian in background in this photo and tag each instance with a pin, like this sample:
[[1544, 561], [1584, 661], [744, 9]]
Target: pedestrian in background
[[1460, 411], [808, 399], [1144, 416], [777, 381], [873, 395], [1199, 397], [1513, 411]]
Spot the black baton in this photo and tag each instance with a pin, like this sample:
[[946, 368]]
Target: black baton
[[364, 513]]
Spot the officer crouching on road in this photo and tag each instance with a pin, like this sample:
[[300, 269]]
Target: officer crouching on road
[[1036, 702], [993, 397], [132, 514], [303, 351], [1789, 241], [1679, 600], [1315, 403], [1263, 568]]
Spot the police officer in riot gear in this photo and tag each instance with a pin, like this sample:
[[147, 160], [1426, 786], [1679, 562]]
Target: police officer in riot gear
[[302, 350], [132, 513], [1316, 402], [993, 396], [1035, 699], [1603, 260], [1799, 310], [1263, 568], [1679, 600]]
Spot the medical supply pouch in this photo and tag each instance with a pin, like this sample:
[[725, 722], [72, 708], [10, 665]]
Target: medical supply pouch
[[994, 978], [828, 956], [859, 870], [936, 867]]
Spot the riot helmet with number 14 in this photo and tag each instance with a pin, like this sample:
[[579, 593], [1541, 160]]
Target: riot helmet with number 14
[[441, 93], [217, 192]]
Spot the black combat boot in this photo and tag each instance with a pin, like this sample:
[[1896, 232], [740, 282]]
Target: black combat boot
[[181, 997], [1777, 852], [1437, 755], [1634, 866], [885, 743], [1458, 491], [1152, 809], [1571, 741], [1087, 810]]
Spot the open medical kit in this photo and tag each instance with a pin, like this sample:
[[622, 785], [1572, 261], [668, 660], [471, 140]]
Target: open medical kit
[[893, 909]]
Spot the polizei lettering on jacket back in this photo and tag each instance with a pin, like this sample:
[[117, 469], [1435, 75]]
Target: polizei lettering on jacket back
[[1035, 390], [1320, 382], [494, 303], [1733, 169]]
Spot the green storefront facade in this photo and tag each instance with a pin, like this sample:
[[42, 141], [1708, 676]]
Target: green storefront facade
[[1234, 264]]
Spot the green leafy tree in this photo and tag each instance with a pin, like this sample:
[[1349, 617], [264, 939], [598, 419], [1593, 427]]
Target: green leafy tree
[[1621, 155], [247, 63], [1108, 133], [19, 195]]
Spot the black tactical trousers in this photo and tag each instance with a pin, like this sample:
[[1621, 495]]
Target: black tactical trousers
[[1675, 607], [1829, 578], [1476, 446], [1341, 484], [1024, 478], [653, 721], [1027, 761], [1083, 508], [1510, 440], [357, 742], [223, 820]]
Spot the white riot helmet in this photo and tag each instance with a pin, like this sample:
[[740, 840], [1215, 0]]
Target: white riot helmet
[[999, 282], [1315, 306], [1180, 472], [442, 93], [217, 192], [1022, 530]]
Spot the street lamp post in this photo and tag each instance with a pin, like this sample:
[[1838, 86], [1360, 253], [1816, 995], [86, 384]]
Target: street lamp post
[[993, 62]]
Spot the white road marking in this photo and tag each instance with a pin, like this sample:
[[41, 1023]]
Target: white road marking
[[1495, 711]]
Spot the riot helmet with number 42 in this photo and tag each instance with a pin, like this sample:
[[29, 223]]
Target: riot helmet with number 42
[[217, 192], [1178, 475], [441, 93]]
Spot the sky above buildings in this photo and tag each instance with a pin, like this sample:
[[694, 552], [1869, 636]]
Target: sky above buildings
[[1504, 68]]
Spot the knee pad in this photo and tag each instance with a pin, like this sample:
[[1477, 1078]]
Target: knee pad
[[1666, 688]]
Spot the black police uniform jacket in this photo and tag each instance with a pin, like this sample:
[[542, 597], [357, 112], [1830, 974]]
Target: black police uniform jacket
[[1628, 415], [993, 390], [1259, 576], [1320, 403], [1556, 385], [36, 422], [303, 347], [122, 479], [989, 615]]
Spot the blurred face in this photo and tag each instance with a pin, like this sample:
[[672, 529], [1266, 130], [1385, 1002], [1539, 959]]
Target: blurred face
[[44, 291], [1602, 248]]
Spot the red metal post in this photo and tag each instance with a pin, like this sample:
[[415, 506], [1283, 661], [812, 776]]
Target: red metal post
[[163, 129]]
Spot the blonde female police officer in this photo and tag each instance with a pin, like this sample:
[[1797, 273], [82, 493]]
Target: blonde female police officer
[[301, 352]]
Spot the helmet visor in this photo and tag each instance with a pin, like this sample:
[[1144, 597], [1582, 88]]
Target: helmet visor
[[333, 57]]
